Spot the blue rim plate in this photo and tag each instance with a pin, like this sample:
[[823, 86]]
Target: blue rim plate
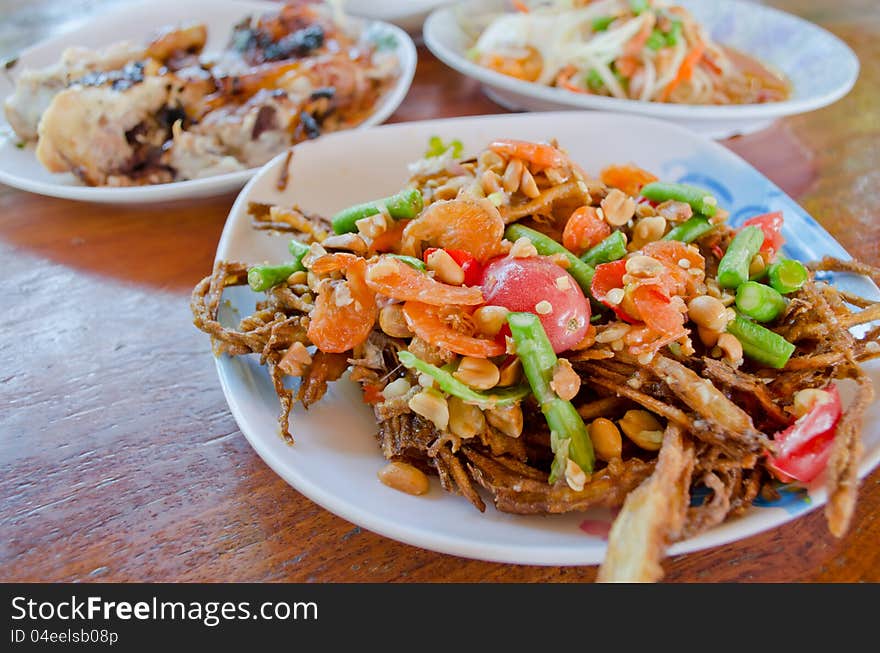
[[335, 458]]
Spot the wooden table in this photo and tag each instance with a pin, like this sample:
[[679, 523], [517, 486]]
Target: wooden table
[[119, 459]]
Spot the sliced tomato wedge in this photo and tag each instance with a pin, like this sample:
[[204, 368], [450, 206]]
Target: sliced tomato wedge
[[771, 225], [607, 277], [804, 447], [427, 323]]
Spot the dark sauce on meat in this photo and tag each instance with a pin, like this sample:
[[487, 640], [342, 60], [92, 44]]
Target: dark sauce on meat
[[119, 80]]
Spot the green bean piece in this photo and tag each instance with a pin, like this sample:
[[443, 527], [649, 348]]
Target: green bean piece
[[612, 248], [759, 302], [787, 275], [451, 385], [297, 249], [733, 269], [701, 201], [401, 206], [568, 434], [690, 230], [601, 23], [263, 277], [411, 261], [546, 246], [761, 344]]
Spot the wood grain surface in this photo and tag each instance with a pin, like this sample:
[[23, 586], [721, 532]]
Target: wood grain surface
[[119, 459]]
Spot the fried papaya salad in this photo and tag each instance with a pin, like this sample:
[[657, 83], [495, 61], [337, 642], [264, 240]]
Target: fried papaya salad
[[553, 341], [645, 50]]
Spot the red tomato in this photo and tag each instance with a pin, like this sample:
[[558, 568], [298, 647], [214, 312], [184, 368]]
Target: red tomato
[[607, 277], [584, 229], [521, 284], [473, 271], [804, 447], [771, 225]]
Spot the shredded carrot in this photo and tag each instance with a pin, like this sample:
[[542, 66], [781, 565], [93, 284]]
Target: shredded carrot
[[563, 80], [627, 65], [707, 60], [636, 43], [686, 70], [521, 6]]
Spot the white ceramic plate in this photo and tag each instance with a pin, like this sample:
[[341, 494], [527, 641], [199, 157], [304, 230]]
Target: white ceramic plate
[[406, 14], [137, 22], [335, 458], [821, 68]]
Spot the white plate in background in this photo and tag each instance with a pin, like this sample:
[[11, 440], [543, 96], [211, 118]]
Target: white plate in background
[[335, 458], [820, 67], [138, 22], [406, 14]]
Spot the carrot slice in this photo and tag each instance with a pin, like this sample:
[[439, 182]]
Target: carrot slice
[[584, 229], [394, 278], [628, 178], [427, 323]]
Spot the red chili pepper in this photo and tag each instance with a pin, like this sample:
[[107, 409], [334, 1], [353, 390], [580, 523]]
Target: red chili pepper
[[771, 225], [372, 394], [804, 447], [473, 271]]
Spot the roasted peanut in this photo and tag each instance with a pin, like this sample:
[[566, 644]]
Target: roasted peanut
[[618, 207], [489, 319], [643, 428], [606, 439], [732, 349], [478, 373], [465, 420], [393, 322], [565, 382], [404, 477], [708, 312], [507, 419], [805, 400], [431, 405], [647, 230], [445, 268]]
